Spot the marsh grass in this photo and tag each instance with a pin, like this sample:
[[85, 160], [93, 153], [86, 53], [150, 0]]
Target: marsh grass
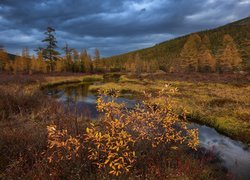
[[31, 124], [222, 101]]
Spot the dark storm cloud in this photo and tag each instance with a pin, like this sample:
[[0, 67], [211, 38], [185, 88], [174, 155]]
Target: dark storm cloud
[[112, 26]]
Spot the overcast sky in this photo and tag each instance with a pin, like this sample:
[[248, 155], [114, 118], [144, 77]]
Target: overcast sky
[[113, 26]]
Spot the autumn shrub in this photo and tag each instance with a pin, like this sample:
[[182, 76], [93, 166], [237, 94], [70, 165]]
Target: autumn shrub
[[123, 142]]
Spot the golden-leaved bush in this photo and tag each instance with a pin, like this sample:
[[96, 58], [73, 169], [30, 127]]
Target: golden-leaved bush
[[61, 145], [116, 142], [121, 133]]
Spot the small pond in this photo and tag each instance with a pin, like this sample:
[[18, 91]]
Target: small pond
[[233, 155]]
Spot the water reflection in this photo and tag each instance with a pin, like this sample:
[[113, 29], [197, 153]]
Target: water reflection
[[234, 155], [77, 98]]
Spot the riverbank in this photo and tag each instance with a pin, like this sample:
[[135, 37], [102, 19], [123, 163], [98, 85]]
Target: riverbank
[[221, 102], [26, 114], [224, 105]]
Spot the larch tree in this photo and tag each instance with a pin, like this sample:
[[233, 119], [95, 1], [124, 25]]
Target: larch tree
[[38, 65], [189, 54], [86, 62], [26, 60], [19, 64], [9, 66], [129, 64], [245, 53], [34, 65], [96, 54], [41, 63], [75, 58], [67, 57], [138, 64], [59, 66], [97, 60], [4, 59], [228, 56], [206, 61]]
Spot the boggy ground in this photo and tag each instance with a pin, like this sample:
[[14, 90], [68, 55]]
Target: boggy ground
[[26, 113], [220, 101]]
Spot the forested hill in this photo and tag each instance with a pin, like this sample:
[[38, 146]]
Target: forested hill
[[169, 55]]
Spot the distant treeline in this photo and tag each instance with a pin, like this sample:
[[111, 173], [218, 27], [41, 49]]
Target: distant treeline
[[225, 49], [48, 59], [195, 56], [73, 61]]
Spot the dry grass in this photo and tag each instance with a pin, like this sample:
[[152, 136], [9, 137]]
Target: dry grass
[[222, 102]]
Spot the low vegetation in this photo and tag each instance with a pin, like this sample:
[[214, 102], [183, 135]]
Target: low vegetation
[[39, 139], [222, 105]]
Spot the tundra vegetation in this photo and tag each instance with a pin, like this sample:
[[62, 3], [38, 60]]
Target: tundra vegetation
[[40, 139], [207, 81]]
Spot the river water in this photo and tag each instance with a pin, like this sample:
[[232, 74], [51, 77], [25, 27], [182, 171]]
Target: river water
[[233, 155]]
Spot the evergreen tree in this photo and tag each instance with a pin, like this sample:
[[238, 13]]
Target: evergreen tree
[[49, 53]]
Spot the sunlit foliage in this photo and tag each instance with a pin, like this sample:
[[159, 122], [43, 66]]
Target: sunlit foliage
[[116, 142]]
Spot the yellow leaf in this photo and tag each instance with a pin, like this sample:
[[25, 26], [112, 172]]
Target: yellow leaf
[[174, 147], [106, 162]]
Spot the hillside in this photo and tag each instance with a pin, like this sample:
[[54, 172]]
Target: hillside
[[167, 53]]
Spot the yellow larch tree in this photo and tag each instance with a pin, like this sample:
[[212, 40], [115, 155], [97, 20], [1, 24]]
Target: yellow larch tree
[[245, 53], [59, 66], [4, 58], [87, 63], [189, 54], [228, 56], [207, 62]]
